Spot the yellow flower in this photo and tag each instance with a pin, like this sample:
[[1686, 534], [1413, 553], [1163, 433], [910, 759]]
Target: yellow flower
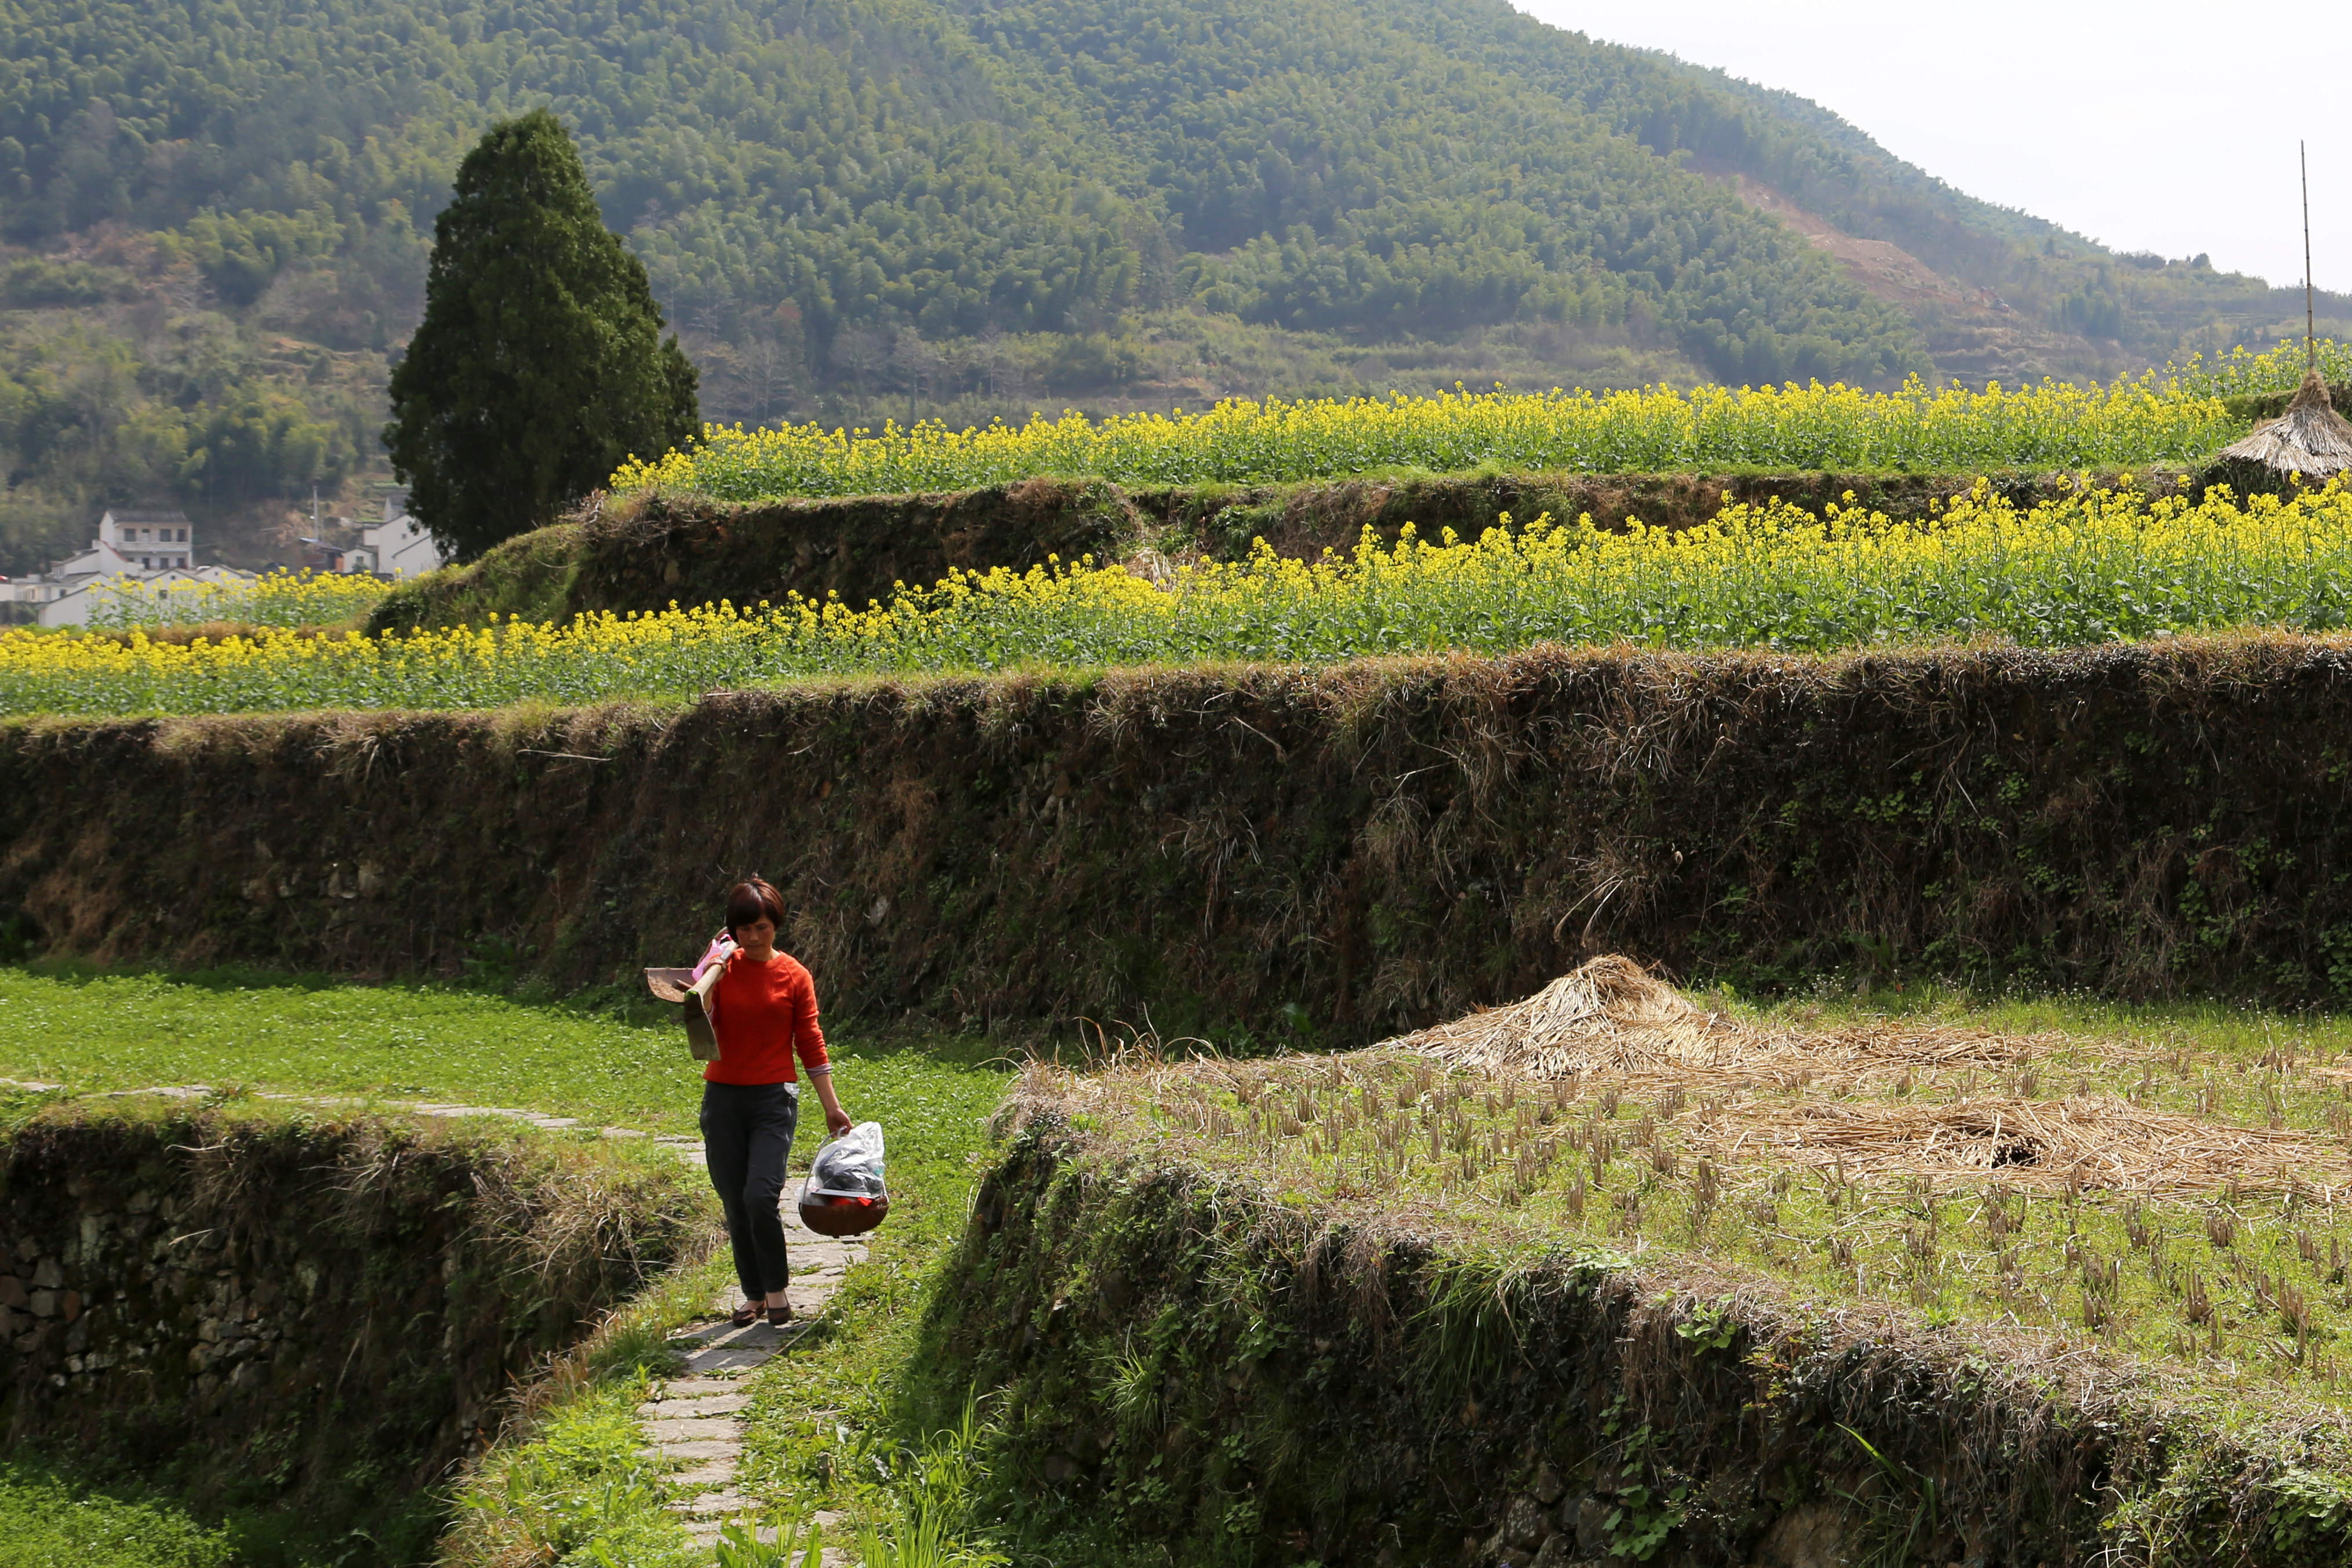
[[2054, 425], [2091, 565]]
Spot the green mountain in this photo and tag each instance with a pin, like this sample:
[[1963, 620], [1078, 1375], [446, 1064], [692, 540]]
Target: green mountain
[[215, 218]]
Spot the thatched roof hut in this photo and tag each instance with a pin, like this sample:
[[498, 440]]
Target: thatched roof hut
[[2310, 439]]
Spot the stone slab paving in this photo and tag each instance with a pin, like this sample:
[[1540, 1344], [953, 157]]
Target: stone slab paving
[[694, 1421]]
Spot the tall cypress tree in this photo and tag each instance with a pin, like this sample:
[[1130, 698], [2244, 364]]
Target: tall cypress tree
[[540, 364]]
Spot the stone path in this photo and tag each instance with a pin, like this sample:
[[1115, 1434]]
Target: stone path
[[694, 1420]]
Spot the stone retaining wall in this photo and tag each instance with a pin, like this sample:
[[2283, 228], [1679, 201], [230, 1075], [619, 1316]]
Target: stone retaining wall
[[267, 1305], [1359, 849], [113, 1299]]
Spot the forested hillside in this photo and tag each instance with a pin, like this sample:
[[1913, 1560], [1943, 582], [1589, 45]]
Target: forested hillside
[[2032, 299], [216, 219]]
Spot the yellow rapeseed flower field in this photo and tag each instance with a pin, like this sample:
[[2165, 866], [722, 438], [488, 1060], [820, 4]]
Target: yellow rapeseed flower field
[[2093, 566], [277, 599], [2055, 426], [2278, 369]]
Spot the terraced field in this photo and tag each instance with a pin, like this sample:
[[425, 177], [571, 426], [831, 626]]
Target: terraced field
[[1657, 1276]]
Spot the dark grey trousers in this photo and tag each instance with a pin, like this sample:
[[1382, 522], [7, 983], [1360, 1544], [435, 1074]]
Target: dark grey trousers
[[747, 1137]]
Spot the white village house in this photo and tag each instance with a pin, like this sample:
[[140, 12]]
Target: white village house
[[397, 546], [158, 550], [157, 541], [155, 547]]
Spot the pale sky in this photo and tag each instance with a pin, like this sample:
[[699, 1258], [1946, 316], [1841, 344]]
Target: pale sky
[[2156, 126]]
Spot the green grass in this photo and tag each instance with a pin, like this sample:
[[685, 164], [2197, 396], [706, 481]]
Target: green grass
[[53, 1513], [572, 1480], [95, 1030]]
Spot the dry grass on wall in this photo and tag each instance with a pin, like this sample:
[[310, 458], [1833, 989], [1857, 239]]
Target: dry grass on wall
[[1382, 845]]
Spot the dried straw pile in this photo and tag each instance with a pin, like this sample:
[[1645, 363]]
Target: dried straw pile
[[1612, 1018], [2310, 439], [2072, 1144]]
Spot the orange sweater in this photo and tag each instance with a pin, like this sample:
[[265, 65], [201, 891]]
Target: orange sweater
[[764, 1014]]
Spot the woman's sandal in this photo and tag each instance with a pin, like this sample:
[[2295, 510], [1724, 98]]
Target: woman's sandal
[[778, 1316], [745, 1315]]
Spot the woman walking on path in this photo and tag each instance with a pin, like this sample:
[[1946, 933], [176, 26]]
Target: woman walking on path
[[763, 1010]]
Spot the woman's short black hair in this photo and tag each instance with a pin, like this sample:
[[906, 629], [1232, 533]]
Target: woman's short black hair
[[749, 901]]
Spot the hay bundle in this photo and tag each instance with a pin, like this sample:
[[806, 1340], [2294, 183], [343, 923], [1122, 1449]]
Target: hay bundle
[[1611, 1016], [2075, 1143], [1608, 1014], [2310, 439]]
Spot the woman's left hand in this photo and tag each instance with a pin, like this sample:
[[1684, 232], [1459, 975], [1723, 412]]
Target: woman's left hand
[[836, 1119]]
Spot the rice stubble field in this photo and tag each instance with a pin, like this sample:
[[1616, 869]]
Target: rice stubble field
[[2178, 1196]]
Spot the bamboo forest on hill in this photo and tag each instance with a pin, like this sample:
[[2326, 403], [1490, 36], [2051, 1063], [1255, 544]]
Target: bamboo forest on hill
[[216, 221]]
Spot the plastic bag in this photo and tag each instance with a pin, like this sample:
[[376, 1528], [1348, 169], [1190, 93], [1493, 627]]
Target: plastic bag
[[720, 946], [850, 1166]]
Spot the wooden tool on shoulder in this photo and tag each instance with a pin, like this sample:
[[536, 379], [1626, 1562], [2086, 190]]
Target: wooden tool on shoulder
[[693, 999]]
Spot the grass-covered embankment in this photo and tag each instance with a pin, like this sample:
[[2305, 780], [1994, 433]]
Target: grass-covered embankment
[[1360, 1308], [297, 1318], [646, 552], [1351, 848], [570, 1483]]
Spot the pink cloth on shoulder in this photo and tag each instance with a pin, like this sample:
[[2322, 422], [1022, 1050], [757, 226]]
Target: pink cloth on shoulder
[[721, 946]]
